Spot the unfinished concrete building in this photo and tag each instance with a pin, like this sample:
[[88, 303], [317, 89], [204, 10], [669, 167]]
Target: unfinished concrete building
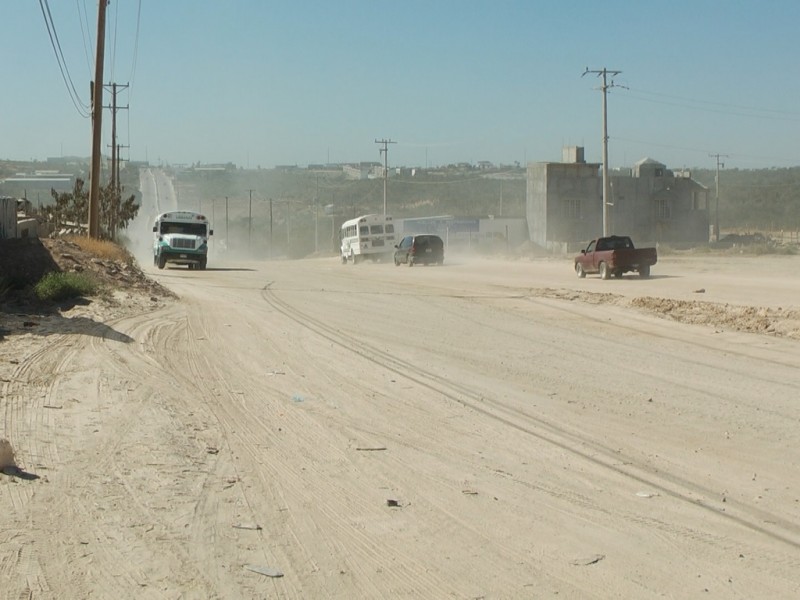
[[648, 202]]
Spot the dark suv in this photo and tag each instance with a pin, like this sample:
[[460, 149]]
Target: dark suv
[[414, 249]]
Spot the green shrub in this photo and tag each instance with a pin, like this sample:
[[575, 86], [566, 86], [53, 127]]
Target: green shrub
[[61, 286]]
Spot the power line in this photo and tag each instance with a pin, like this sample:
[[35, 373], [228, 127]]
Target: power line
[[114, 41], [693, 103], [136, 42], [736, 113], [82, 108], [704, 150], [87, 43]]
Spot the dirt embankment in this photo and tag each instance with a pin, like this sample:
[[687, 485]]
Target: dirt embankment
[[122, 285], [751, 319]]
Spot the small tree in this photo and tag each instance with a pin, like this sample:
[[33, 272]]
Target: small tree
[[116, 213], [72, 209]]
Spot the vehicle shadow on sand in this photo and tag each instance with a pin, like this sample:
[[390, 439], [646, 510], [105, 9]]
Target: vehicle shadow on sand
[[180, 269], [19, 473], [228, 269], [57, 324]]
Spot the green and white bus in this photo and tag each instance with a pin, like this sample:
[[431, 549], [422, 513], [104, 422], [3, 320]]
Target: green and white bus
[[181, 237]]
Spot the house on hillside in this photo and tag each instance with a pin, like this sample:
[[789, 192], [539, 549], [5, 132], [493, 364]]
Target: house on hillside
[[649, 202]]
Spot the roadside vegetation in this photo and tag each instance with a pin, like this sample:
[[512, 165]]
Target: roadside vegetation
[[55, 287], [102, 249]]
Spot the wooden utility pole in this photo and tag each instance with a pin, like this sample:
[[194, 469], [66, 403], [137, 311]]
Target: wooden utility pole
[[115, 185], [114, 146], [97, 120]]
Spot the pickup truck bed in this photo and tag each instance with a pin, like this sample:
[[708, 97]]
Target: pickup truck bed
[[614, 255]]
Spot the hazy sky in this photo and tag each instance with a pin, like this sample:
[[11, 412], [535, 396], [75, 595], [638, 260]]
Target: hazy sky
[[265, 83]]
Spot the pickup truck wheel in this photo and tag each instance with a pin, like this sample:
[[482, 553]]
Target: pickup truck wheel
[[644, 272], [604, 272], [579, 270]]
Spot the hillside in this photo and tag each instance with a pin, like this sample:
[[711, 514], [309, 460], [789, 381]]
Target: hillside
[[294, 202]]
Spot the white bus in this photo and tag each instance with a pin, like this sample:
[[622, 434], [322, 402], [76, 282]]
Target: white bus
[[367, 236], [181, 237]]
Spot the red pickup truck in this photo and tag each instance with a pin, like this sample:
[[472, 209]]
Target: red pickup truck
[[614, 255]]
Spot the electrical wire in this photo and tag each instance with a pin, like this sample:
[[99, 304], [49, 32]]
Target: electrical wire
[[136, 43], [114, 42], [714, 107], [82, 108], [133, 69], [782, 159], [85, 33]]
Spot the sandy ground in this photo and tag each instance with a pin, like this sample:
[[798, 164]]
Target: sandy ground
[[484, 429]]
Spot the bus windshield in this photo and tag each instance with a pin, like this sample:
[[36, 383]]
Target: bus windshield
[[183, 228]]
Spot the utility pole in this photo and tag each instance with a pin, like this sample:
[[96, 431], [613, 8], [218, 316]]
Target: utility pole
[[114, 108], [716, 207], [115, 185], [250, 224], [385, 152], [97, 119], [604, 73], [501, 197], [316, 219]]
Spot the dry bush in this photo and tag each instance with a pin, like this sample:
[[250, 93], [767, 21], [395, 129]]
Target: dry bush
[[102, 249]]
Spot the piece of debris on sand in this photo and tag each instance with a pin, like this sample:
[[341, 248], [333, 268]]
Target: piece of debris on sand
[[6, 455]]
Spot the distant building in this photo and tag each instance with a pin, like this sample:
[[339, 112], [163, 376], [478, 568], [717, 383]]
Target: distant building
[[363, 170], [218, 167], [8, 217], [37, 186], [468, 232], [564, 203]]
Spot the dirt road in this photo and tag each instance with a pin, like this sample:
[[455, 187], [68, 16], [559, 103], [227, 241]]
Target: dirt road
[[484, 429]]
